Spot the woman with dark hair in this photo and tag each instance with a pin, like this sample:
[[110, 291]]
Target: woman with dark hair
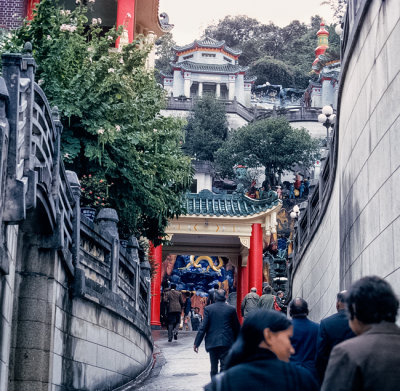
[[260, 358]]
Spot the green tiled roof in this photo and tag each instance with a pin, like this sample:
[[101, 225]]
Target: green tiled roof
[[209, 68], [207, 43], [207, 203]]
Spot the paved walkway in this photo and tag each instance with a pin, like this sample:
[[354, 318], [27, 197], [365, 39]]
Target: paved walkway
[[177, 366]]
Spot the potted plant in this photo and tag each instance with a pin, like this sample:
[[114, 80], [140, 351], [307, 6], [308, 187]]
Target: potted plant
[[94, 195]]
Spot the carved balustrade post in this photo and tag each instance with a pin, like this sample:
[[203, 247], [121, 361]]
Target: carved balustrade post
[[132, 249], [106, 221]]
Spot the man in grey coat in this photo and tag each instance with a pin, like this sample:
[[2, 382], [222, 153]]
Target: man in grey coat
[[371, 360], [250, 302]]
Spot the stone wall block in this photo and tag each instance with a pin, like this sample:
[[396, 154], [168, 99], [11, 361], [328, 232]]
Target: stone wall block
[[84, 351], [32, 309], [31, 365], [96, 334], [79, 328]]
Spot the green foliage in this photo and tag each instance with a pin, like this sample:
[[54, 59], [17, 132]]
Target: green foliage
[[271, 143], [110, 106], [164, 55], [94, 191], [206, 130]]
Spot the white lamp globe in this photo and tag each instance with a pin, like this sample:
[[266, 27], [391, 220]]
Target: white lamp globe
[[338, 29], [322, 118], [293, 215], [332, 118], [296, 209], [327, 110]]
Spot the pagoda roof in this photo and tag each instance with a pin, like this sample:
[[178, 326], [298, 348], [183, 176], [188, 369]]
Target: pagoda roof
[[207, 203], [209, 68], [208, 42], [250, 78]]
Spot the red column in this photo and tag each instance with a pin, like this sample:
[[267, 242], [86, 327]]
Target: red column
[[30, 7], [156, 254], [125, 17], [255, 261], [243, 283]]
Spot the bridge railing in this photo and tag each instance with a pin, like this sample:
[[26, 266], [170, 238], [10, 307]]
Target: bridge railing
[[34, 185]]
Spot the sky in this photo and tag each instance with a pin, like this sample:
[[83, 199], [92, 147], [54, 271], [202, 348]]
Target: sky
[[190, 17]]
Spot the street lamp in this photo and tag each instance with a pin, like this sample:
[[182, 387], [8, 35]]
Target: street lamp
[[294, 214], [327, 118]]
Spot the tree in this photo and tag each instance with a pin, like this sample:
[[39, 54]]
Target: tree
[[207, 129], [110, 107], [272, 144], [164, 55]]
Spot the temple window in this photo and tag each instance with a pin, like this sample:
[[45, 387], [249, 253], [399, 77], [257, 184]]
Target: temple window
[[187, 57], [208, 54], [227, 59]]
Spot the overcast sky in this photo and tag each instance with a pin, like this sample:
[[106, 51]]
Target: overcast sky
[[190, 17]]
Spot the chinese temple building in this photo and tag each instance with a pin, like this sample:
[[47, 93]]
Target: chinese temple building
[[137, 16], [208, 66], [220, 239]]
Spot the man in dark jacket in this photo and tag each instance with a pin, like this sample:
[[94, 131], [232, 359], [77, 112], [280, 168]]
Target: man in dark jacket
[[332, 330], [371, 360], [305, 333], [174, 302], [220, 327]]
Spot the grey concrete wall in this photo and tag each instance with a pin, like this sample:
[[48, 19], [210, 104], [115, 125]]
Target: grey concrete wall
[[359, 233], [370, 150], [6, 302]]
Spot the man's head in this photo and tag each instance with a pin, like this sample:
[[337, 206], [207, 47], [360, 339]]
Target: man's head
[[173, 286], [187, 294], [196, 310], [216, 286], [220, 295], [298, 308], [341, 300], [254, 289], [267, 290], [371, 300], [280, 294]]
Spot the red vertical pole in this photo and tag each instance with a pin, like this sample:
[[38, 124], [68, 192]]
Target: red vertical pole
[[126, 17], [31, 4], [256, 258], [239, 287], [244, 288], [156, 255]]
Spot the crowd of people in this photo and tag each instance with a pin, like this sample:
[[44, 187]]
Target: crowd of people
[[357, 348]]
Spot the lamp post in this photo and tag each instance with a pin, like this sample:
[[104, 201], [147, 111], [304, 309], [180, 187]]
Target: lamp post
[[294, 214], [327, 118]]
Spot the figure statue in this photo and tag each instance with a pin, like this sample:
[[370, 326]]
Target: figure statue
[[301, 190], [291, 194]]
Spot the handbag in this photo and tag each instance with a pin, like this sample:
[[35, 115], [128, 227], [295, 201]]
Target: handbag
[[276, 305]]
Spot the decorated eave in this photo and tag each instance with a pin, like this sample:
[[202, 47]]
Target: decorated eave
[[166, 75], [207, 43], [209, 68], [208, 204], [148, 18]]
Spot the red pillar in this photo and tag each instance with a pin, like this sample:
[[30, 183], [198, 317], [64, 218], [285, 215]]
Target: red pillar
[[255, 261], [30, 7], [126, 17], [156, 254], [243, 287]]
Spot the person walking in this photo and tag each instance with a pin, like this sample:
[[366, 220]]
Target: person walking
[[250, 302], [220, 328], [305, 333], [332, 330], [259, 359], [267, 299], [174, 302], [187, 313], [371, 360], [211, 294]]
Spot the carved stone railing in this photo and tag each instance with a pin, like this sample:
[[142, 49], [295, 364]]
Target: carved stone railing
[[36, 190], [312, 211], [295, 114]]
